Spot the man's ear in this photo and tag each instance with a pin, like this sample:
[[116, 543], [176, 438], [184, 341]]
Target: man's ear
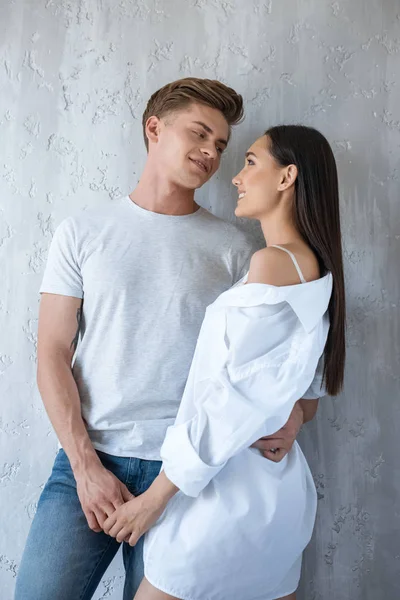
[[152, 129], [289, 176]]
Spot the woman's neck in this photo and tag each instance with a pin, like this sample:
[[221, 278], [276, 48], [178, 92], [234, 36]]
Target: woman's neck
[[278, 231]]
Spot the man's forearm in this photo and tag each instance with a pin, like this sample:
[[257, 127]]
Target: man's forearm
[[61, 399], [309, 408]]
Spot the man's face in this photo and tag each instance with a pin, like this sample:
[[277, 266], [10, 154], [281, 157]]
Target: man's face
[[189, 144]]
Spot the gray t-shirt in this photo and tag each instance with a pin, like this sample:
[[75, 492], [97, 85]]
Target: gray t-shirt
[[146, 280]]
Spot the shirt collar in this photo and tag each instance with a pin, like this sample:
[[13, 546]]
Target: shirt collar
[[309, 300]]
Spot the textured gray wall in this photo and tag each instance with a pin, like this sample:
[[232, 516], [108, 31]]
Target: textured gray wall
[[74, 79]]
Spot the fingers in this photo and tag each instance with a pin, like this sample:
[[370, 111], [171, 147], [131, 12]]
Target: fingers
[[134, 538], [114, 531], [267, 444], [92, 521], [108, 508], [273, 448], [276, 456], [109, 523], [126, 495], [123, 535], [100, 516], [117, 501]]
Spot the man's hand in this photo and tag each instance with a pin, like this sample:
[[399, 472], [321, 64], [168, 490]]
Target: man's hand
[[100, 494], [134, 518], [276, 446]]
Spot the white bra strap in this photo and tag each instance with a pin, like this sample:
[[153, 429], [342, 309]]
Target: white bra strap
[[296, 264]]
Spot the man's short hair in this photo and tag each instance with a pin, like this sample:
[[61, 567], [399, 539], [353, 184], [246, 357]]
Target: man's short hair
[[182, 93]]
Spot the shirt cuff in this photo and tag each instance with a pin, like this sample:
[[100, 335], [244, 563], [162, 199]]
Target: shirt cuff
[[61, 291], [181, 463]]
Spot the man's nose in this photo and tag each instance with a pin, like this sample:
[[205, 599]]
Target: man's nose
[[209, 151]]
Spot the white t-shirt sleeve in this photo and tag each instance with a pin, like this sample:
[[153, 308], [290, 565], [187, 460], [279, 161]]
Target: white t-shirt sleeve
[[63, 274], [244, 266], [317, 388], [241, 250]]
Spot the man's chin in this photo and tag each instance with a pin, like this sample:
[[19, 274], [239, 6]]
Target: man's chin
[[195, 183]]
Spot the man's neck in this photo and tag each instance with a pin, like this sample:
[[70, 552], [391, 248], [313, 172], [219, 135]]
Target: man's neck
[[156, 194]]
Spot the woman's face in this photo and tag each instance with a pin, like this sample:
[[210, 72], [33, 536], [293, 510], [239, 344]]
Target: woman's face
[[258, 182]]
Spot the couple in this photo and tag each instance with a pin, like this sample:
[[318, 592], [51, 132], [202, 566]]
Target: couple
[[233, 506]]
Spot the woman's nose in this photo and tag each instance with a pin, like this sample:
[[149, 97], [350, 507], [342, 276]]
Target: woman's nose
[[236, 180]]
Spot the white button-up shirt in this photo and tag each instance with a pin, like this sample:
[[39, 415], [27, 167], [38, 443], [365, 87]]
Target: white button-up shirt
[[239, 525]]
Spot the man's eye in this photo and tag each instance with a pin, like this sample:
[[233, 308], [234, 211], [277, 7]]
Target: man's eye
[[220, 150]]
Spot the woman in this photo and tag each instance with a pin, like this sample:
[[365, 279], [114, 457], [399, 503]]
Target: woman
[[233, 525]]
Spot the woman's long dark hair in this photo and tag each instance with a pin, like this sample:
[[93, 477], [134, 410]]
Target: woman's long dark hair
[[318, 221]]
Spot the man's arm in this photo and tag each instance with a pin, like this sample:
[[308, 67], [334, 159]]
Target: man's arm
[[309, 408], [99, 491], [276, 446]]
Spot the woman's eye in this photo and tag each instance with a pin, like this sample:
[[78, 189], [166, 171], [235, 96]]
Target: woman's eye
[[250, 162], [200, 134]]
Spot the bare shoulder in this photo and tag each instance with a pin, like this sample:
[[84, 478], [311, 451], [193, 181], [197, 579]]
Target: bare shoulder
[[270, 266], [273, 266]]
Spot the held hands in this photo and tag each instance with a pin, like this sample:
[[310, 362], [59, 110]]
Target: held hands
[[100, 494], [130, 521], [275, 447]]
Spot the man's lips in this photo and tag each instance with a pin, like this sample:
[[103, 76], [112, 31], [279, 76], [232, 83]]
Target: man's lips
[[200, 164]]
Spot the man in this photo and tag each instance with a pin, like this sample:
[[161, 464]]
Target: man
[[132, 280]]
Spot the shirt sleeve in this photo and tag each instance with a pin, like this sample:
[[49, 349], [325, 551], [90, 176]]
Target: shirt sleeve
[[242, 402], [241, 250], [243, 266], [317, 388], [63, 274]]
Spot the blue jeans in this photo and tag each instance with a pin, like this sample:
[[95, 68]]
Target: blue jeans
[[63, 558]]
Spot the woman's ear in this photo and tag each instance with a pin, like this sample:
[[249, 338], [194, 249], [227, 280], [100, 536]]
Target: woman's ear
[[289, 176], [152, 129]]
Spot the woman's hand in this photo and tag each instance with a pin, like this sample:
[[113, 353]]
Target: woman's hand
[[131, 520]]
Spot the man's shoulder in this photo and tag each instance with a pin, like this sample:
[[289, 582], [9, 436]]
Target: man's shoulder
[[92, 218], [239, 239]]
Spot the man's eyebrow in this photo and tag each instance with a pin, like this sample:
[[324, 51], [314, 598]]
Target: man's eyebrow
[[209, 130]]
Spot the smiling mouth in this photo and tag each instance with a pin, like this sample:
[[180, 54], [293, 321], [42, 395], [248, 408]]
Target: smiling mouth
[[242, 195], [200, 165]]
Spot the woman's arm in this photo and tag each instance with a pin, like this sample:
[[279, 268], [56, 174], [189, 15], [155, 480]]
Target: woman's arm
[[309, 408], [233, 410]]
